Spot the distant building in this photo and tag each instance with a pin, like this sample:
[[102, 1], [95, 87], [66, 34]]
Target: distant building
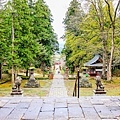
[[94, 65]]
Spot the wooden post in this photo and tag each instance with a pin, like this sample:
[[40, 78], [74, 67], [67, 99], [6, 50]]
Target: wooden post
[[75, 88], [78, 82]]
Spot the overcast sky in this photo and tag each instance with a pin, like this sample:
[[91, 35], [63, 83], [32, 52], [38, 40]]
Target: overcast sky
[[58, 9]]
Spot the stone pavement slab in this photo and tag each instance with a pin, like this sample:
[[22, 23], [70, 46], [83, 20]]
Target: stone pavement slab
[[61, 113], [104, 112], [61, 105], [75, 112], [47, 115], [47, 107], [4, 112]]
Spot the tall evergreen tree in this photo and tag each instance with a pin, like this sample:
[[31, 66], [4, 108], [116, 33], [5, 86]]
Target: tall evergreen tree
[[73, 18], [5, 36], [44, 32], [25, 46], [26, 27]]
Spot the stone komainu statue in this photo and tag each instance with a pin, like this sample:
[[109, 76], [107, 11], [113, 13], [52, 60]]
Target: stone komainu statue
[[98, 83], [18, 83]]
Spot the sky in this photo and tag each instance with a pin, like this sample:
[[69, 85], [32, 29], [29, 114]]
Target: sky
[[58, 9]]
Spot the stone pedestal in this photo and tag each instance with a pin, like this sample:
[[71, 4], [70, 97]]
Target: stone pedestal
[[99, 92], [32, 83], [16, 92]]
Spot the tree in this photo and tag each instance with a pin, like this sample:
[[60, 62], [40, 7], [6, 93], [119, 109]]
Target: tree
[[73, 18], [5, 33], [107, 24], [94, 35], [112, 16], [26, 41], [116, 57], [23, 47], [27, 47], [44, 33], [98, 7]]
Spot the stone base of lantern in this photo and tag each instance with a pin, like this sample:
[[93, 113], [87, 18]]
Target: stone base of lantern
[[32, 84]]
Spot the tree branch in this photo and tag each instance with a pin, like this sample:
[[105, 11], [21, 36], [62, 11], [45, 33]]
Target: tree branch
[[115, 13], [109, 10], [116, 9], [96, 12]]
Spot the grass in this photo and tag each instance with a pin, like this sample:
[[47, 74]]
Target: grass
[[112, 88], [43, 90]]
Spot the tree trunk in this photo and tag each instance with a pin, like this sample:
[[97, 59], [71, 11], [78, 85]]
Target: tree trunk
[[13, 76], [104, 53], [109, 72], [27, 72], [0, 71], [43, 68], [112, 19]]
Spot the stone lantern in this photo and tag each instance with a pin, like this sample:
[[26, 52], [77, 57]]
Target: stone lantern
[[32, 83]]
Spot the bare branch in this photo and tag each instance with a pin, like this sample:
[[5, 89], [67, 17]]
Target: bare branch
[[109, 10], [96, 12], [115, 13], [116, 9]]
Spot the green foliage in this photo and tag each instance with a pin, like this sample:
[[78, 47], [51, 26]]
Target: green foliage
[[5, 31], [73, 17], [34, 39], [44, 33], [83, 32]]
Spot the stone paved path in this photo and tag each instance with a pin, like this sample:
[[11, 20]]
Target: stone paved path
[[58, 88], [62, 108]]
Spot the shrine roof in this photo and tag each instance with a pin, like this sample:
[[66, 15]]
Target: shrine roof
[[93, 61]]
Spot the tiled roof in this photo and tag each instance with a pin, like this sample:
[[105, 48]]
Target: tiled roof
[[93, 60]]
